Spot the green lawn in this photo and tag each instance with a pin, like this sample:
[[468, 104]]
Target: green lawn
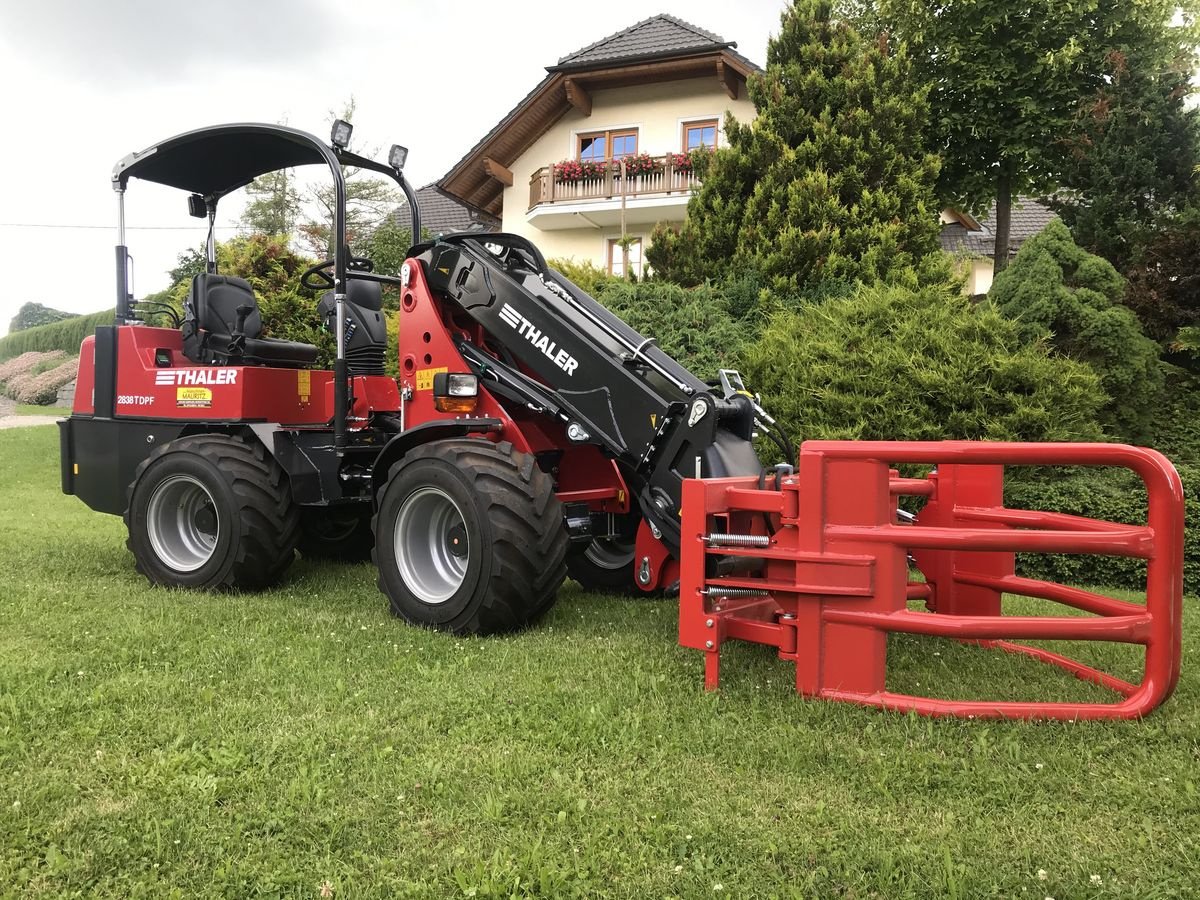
[[29, 409], [155, 743]]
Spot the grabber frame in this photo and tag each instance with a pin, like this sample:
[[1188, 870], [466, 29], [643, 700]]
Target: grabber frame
[[818, 567]]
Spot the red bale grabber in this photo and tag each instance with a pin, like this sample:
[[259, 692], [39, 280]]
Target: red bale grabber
[[818, 567]]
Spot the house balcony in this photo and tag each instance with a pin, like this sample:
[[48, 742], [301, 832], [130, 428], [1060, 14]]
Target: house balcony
[[661, 195]]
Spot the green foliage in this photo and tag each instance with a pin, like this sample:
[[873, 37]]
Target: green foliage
[[1116, 495], [1133, 154], [831, 182], [1057, 290], [1175, 430], [31, 315], [1013, 86], [1164, 281], [586, 275], [1006, 80], [273, 205], [693, 326], [274, 270], [894, 363], [65, 335]]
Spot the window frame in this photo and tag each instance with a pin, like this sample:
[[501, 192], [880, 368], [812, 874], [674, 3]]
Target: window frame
[[699, 123], [613, 253], [608, 134]]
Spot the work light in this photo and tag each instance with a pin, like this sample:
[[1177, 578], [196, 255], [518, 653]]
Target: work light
[[340, 136], [397, 157]]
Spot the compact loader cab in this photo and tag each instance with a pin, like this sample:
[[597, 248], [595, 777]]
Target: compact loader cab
[[529, 431]]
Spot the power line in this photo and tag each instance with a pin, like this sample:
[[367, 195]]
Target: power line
[[113, 228]]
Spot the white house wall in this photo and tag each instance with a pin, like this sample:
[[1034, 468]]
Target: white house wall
[[658, 111]]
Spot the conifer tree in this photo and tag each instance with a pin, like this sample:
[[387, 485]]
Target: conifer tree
[[831, 183]]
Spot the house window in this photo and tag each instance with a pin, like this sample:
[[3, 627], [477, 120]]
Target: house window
[[700, 134], [607, 144], [616, 259]]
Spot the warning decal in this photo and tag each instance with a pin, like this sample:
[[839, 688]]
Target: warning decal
[[425, 378]]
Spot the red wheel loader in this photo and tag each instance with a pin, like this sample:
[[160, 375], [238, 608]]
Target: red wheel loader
[[531, 434]]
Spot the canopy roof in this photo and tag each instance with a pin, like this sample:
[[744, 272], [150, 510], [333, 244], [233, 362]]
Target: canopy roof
[[214, 161]]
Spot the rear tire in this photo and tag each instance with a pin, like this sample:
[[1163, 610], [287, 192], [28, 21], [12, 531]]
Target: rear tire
[[211, 511], [336, 533], [469, 537]]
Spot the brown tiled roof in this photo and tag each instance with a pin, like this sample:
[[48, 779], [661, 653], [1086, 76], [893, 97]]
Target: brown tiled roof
[[1028, 218], [657, 36]]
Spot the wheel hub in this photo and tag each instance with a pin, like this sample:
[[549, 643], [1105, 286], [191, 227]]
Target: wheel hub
[[431, 547], [182, 523]]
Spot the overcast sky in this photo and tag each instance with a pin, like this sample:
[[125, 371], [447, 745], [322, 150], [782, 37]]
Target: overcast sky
[[89, 82]]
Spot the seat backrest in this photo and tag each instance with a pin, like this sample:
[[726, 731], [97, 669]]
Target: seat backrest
[[214, 301], [366, 294]]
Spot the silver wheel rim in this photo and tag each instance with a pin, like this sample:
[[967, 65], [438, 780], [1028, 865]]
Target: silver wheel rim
[[182, 523], [430, 543], [610, 553]]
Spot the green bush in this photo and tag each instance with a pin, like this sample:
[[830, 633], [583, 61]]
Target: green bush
[[1116, 495], [1056, 289], [1176, 427], [694, 326], [66, 335], [896, 363], [586, 275]]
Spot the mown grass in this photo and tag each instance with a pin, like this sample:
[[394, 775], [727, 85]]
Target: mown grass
[[155, 743], [32, 409]]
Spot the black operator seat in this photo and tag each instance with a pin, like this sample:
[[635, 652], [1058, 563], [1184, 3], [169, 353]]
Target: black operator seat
[[210, 332], [365, 328]]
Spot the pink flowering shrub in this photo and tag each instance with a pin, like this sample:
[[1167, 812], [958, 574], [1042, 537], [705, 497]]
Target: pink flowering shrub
[[43, 387], [27, 364]]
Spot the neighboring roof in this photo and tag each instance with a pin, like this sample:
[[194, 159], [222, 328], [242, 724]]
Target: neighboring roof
[[655, 49], [442, 214], [1028, 218]]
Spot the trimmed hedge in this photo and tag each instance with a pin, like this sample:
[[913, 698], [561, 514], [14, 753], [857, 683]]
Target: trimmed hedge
[[1113, 494], [893, 363], [66, 335]]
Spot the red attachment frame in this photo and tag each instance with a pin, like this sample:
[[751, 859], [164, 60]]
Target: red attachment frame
[[818, 568]]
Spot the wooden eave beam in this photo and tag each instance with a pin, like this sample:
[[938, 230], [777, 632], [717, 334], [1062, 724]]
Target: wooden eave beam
[[727, 78], [578, 96], [502, 174]]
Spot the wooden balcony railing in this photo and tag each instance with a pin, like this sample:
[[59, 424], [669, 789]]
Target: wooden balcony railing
[[546, 187]]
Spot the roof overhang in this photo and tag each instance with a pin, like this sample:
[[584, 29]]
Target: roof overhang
[[473, 181]]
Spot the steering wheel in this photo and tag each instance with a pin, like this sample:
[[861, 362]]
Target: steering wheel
[[320, 276]]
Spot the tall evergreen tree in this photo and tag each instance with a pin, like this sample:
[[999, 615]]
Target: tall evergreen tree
[[831, 181]]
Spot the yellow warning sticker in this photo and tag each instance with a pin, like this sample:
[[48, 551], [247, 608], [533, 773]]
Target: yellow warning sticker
[[194, 397], [303, 384], [425, 378]]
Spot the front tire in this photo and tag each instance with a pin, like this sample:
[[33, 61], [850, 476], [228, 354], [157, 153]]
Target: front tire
[[469, 537], [211, 512]]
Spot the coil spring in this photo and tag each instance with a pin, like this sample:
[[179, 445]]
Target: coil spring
[[733, 593], [738, 540]]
